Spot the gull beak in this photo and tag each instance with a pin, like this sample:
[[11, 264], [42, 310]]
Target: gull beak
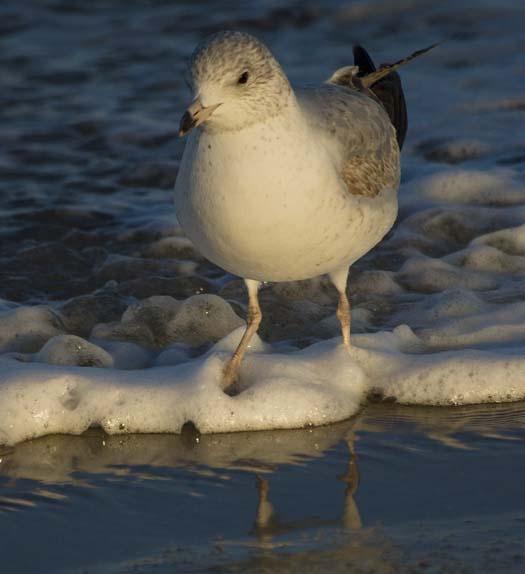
[[195, 115]]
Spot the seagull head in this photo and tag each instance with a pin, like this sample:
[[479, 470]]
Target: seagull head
[[236, 82]]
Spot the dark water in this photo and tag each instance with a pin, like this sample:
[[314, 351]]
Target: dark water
[[394, 490], [91, 94]]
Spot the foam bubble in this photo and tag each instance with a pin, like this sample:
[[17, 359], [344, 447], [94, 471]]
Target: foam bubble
[[510, 240], [172, 248], [486, 258], [73, 350], [126, 355], [372, 284], [26, 329], [429, 275], [174, 355], [496, 187], [495, 325], [440, 307], [81, 314], [203, 318]]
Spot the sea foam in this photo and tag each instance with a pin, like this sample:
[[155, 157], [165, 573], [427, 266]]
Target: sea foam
[[321, 384]]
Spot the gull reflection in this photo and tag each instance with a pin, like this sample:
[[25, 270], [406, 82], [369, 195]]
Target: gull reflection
[[268, 524]]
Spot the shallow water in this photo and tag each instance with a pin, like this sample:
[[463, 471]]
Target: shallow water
[[397, 489], [90, 101]]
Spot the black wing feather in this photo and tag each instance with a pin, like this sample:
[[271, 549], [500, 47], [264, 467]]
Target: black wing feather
[[388, 90], [363, 61]]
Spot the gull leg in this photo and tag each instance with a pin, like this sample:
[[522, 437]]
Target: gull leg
[[351, 516], [339, 279], [343, 314], [231, 372], [265, 520], [265, 510]]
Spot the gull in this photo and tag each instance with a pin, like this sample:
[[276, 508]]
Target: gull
[[283, 184]]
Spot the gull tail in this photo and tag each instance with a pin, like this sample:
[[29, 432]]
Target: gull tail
[[384, 83], [374, 76], [387, 88]]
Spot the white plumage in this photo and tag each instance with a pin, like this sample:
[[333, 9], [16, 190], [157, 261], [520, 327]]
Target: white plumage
[[268, 203]]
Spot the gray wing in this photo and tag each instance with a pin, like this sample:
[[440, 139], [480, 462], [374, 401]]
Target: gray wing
[[357, 132]]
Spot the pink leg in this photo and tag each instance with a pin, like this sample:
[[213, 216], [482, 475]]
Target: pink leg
[[231, 372], [339, 279]]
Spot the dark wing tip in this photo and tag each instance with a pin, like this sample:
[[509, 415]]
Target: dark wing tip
[[388, 90], [363, 60]]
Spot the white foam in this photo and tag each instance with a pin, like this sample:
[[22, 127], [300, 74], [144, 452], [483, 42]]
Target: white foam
[[73, 350], [203, 318], [511, 240], [495, 325], [495, 187], [441, 307], [430, 275], [159, 321], [26, 329], [486, 258], [318, 385], [441, 378]]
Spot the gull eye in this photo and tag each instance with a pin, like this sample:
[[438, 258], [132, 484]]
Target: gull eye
[[243, 78]]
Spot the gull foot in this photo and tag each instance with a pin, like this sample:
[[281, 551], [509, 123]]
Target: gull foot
[[230, 379]]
